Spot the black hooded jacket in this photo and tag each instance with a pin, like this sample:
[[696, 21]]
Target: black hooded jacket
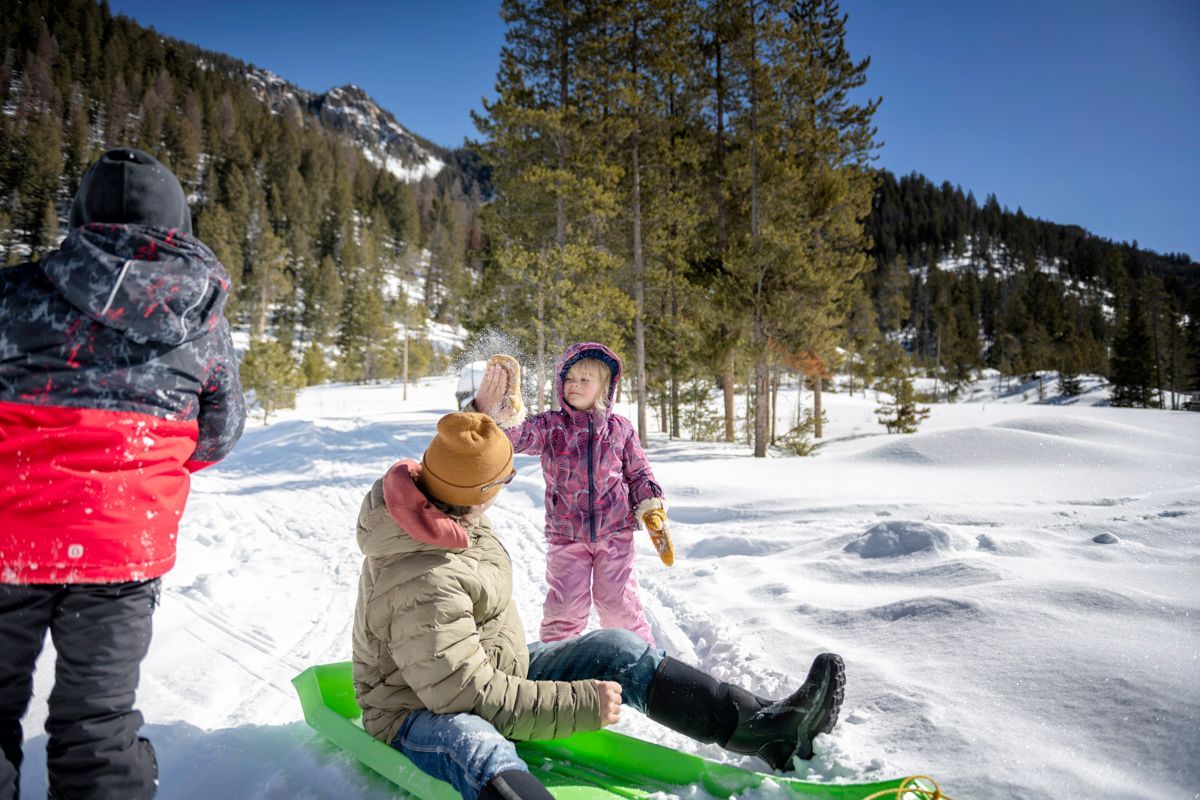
[[117, 378]]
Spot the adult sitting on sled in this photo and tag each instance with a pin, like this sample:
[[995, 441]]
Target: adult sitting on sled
[[441, 668]]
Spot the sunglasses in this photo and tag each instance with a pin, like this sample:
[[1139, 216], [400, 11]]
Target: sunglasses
[[501, 482]]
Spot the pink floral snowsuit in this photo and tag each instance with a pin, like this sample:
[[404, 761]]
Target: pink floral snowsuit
[[598, 482]]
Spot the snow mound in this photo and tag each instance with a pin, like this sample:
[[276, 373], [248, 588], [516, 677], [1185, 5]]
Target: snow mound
[[719, 546], [931, 613], [1103, 432], [1000, 446], [926, 609], [943, 573], [1019, 548], [899, 538]]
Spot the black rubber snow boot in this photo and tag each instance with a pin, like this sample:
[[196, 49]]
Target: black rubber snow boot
[[776, 730], [515, 785], [687, 700]]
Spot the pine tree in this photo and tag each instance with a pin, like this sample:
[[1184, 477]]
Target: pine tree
[[554, 192], [900, 413], [967, 305], [268, 370], [313, 366], [1191, 347], [76, 141], [48, 230], [11, 255], [367, 337], [268, 281], [1132, 369], [720, 326], [892, 297], [1158, 313], [803, 178], [215, 228], [862, 339], [39, 168], [116, 124], [1068, 354], [183, 137], [645, 53], [446, 279], [323, 301]]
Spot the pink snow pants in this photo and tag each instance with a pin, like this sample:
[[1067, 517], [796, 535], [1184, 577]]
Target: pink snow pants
[[579, 573]]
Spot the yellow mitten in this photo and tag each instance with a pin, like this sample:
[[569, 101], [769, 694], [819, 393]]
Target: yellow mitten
[[660, 534]]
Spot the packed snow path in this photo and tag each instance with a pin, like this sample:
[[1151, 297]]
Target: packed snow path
[[990, 641]]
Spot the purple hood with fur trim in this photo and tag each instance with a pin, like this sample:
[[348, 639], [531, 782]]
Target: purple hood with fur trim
[[596, 473]]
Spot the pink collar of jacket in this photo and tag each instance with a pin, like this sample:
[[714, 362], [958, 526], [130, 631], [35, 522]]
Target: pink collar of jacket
[[413, 512]]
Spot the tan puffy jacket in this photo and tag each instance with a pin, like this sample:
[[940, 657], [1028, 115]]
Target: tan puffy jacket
[[436, 626]]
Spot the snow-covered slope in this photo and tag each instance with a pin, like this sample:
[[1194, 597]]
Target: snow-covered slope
[[990, 640]]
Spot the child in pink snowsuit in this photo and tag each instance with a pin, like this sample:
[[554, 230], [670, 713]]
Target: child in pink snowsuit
[[598, 486]]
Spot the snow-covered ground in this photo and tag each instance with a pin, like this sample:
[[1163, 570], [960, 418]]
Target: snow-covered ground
[[990, 640]]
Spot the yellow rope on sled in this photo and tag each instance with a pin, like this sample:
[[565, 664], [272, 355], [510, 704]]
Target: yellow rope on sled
[[914, 787]]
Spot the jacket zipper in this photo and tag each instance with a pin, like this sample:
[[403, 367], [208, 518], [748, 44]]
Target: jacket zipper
[[591, 482]]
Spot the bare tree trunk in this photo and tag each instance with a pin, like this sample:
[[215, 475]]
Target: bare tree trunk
[[727, 378], [541, 352], [639, 293], [673, 370], [850, 365], [938, 369], [758, 338], [722, 235], [674, 389], [663, 411], [560, 207], [727, 381], [774, 399], [762, 392], [799, 398], [1174, 365], [817, 406], [404, 377], [559, 346], [262, 309], [1154, 327], [749, 410]]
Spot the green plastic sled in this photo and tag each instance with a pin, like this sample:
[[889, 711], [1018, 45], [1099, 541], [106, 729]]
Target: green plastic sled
[[587, 766]]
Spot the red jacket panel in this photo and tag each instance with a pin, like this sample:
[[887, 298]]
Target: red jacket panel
[[91, 496]]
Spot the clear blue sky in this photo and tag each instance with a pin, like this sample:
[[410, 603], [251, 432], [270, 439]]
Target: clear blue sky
[[1078, 111]]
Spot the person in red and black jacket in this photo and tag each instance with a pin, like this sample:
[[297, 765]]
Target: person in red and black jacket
[[117, 381]]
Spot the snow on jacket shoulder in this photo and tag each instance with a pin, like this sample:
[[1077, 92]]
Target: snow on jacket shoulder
[[117, 379], [436, 626], [597, 475]]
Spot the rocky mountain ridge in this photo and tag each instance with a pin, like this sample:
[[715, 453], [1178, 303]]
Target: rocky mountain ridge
[[350, 111]]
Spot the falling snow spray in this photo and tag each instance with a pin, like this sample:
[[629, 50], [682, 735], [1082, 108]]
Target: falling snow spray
[[470, 363]]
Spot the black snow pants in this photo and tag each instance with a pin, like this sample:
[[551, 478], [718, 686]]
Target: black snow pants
[[101, 633]]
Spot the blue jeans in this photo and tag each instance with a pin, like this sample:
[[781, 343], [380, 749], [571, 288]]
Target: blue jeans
[[466, 751]]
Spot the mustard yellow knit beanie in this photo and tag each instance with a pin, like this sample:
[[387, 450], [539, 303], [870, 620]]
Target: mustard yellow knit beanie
[[468, 452]]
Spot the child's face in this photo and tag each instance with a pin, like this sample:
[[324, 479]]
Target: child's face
[[581, 388]]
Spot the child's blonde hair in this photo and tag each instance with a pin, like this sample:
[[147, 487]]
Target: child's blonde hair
[[601, 373]]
